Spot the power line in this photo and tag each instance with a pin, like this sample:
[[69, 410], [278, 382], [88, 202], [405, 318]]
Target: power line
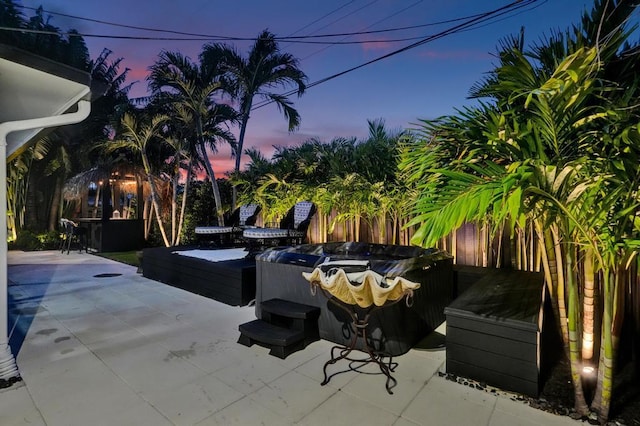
[[320, 19], [369, 26], [145, 38], [115, 24], [204, 37], [337, 20], [326, 15], [471, 23]]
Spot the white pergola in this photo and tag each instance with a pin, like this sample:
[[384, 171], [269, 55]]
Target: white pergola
[[35, 94]]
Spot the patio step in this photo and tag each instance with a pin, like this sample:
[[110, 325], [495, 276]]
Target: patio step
[[285, 308], [285, 327]]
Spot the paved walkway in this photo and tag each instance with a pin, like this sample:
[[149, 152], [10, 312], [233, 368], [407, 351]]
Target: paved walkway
[[101, 345]]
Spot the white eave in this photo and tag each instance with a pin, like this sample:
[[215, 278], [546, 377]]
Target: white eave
[[35, 94], [33, 87]]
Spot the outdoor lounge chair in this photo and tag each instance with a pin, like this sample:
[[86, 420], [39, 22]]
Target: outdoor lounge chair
[[241, 218], [292, 230]]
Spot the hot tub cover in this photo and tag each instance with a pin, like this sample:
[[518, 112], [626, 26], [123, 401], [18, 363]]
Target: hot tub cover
[[353, 283], [387, 260]]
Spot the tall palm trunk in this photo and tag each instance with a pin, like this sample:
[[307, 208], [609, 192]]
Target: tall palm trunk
[[554, 252], [209, 168], [147, 217], [602, 399], [174, 207], [56, 202], [156, 208], [214, 183], [552, 279], [154, 198], [588, 308], [613, 300], [239, 148], [94, 211], [183, 207], [575, 360]]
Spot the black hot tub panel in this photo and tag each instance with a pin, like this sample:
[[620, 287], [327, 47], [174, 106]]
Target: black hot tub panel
[[396, 329]]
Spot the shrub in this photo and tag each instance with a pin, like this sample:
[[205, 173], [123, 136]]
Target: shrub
[[27, 241]]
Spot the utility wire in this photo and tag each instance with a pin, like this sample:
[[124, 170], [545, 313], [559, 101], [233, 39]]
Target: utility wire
[[291, 39], [321, 18], [142, 38], [369, 26], [481, 18], [470, 22], [199, 36]]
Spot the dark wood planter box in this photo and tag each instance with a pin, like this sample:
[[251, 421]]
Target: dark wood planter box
[[232, 282], [494, 331]]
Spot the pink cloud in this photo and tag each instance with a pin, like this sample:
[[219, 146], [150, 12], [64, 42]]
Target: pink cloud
[[222, 165], [137, 72], [377, 45]]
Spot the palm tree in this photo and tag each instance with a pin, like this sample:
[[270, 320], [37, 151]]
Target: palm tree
[[177, 80], [264, 69], [138, 135], [178, 138], [545, 152]]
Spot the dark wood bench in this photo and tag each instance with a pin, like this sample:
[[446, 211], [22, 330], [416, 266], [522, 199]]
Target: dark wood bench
[[494, 330]]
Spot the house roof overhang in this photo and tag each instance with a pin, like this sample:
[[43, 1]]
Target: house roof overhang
[[33, 87], [35, 93]]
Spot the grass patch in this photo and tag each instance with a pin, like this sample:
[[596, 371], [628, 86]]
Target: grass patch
[[128, 257]]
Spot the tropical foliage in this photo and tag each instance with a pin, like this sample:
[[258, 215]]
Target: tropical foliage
[[351, 181], [187, 91], [546, 161], [41, 171], [263, 70], [552, 156]]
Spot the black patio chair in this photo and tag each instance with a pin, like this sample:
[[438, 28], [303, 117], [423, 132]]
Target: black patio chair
[[292, 230], [243, 217], [72, 233]]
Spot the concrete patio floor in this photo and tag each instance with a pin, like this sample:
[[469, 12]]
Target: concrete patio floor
[[124, 350]]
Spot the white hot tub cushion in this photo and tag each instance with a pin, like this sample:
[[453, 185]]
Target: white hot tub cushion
[[210, 230], [267, 233], [246, 211]]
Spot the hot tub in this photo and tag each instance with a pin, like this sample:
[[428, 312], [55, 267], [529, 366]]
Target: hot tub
[[394, 330]]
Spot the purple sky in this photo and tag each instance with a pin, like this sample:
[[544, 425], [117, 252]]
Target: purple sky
[[425, 82]]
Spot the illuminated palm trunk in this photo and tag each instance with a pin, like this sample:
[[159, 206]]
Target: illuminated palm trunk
[[604, 385], [588, 308], [183, 206], [549, 268], [154, 199], [554, 253], [575, 359], [613, 297]]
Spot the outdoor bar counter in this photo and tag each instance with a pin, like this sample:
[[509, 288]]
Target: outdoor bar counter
[[393, 330], [113, 234]]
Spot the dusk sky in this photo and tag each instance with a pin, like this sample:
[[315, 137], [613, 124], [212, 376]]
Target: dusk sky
[[425, 82]]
